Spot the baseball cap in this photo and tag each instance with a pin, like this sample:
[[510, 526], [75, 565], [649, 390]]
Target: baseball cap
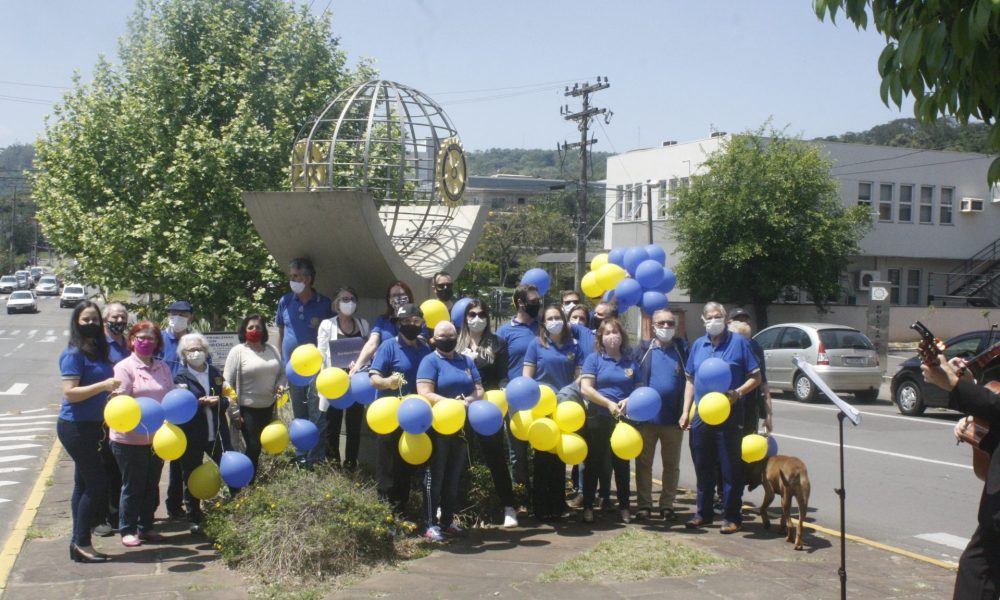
[[408, 310], [736, 313], [181, 306]]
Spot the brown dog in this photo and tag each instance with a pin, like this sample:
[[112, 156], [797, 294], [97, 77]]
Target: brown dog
[[787, 476]]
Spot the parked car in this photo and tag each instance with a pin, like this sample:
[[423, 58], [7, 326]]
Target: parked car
[[21, 301], [48, 285], [36, 273], [8, 283], [23, 280], [843, 357], [912, 395], [72, 295]]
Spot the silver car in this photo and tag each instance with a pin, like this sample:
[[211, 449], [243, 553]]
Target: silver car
[[48, 285], [844, 358]]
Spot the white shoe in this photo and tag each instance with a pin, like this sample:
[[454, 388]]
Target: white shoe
[[509, 517]]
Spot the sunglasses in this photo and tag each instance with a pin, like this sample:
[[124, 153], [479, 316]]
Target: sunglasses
[[665, 323], [477, 314]]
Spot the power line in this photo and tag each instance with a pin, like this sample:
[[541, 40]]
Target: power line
[[929, 164], [39, 85], [545, 84], [874, 160], [24, 100]]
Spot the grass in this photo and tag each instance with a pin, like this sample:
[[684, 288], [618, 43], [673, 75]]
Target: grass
[[635, 555], [34, 533]]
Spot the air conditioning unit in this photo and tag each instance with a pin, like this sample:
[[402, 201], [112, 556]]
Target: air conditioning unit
[[971, 205], [865, 279]]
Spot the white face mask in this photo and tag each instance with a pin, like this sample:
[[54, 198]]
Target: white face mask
[[347, 308], [196, 358], [664, 334], [177, 322], [477, 324], [554, 327], [612, 341], [568, 308], [714, 327], [297, 286]]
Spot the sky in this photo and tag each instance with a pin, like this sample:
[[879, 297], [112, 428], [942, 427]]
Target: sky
[[678, 69]]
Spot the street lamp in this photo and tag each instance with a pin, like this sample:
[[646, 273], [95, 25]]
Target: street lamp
[[649, 207]]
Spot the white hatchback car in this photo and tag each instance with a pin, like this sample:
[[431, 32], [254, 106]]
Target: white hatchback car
[[21, 301], [72, 295]]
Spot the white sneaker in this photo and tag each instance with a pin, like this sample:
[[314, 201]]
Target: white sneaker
[[434, 534], [509, 517]]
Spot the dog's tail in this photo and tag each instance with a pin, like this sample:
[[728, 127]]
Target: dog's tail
[[786, 482]]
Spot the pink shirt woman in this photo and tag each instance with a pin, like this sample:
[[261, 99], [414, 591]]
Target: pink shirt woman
[[138, 378]]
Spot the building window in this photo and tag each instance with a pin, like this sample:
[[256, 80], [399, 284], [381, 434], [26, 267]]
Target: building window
[[628, 203], [995, 192], [885, 202], [894, 286], [913, 286], [865, 193], [946, 205], [619, 202], [661, 200], [927, 204], [637, 201], [905, 203]]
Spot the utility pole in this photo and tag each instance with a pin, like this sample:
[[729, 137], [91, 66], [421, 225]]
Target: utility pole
[[13, 211], [582, 119]]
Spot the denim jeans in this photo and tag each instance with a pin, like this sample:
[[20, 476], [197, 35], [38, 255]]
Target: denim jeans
[[718, 445], [140, 469], [441, 479], [305, 405], [81, 440]]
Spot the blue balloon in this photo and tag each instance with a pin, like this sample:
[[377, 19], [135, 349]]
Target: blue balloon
[[458, 312], [538, 278], [296, 379], [179, 406], [608, 295], [643, 404], [152, 415], [485, 417], [668, 282], [342, 403], [236, 469], [617, 256], [633, 258], [304, 434], [361, 390], [772, 445], [656, 253], [653, 301], [415, 415], [713, 375], [628, 292], [649, 274], [522, 393]]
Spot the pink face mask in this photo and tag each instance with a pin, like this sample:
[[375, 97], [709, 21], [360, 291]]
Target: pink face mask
[[144, 347]]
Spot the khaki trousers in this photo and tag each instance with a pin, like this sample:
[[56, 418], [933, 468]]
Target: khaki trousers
[[670, 438]]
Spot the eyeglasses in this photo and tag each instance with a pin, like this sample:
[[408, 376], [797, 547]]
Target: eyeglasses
[[477, 314], [665, 323], [571, 301], [349, 299]]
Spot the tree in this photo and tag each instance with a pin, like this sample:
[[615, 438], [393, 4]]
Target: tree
[[767, 215], [141, 170], [944, 54], [945, 133]]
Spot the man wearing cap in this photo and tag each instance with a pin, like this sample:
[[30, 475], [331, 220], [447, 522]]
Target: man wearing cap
[[179, 315], [756, 404]]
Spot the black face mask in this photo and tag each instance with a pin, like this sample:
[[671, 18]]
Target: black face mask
[[90, 330], [533, 308], [444, 292], [117, 327], [410, 332], [596, 323], [446, 345]]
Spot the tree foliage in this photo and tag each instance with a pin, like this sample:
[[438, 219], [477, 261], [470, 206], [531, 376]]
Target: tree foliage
[[945, 133], [765, 216], [546, 164], [141, 170], [944, 54]]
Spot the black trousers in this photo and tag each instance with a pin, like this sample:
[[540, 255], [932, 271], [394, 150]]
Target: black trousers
[[107, 512], [352, 425], [193, 457], [548, 486], [254, 422], [597, 432], [393, 475], [979, 568], [494, 454]]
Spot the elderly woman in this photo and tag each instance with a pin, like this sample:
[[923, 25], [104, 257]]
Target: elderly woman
[[86, 380], [141, 374], [208, 430]]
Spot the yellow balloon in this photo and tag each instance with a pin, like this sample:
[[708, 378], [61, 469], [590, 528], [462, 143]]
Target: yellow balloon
[[434, 311], [609, 275], [570, 417], [205, 481], [546, 402], [381, 415], [332, 382], [589, 285], [282, 399], [122, 413], [415, 448], [519, 424], [449, 416], [169, 442], [572, 449], [694, 407], [499, 398], [306, 360], [274, 438], [598, 261], [626, 442], [754, 447], [543, 434], [713, 408]]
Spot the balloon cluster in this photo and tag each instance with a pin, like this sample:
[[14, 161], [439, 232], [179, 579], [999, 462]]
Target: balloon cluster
[[160, 419], [538, 418], [635, 276], [305, 366]]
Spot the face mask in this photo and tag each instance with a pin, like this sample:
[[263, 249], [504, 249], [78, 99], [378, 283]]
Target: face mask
[[254, 336], [196, 358], [90, 330], [612, 341], [714, 327], [144, 347], [446, 345], [596, 323], [568, 308], [410, 332], [398, 301], [297, 286], [532, 308], [477, 324], [117, 327], [444, 293], [347, 308], [554, 327], [664, 334], [177, 322]]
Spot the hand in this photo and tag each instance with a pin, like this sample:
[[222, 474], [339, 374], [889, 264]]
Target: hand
[[623, 404], [396, 381], [465, 401], [942, 374], [208, 400], [733, 396], [768, 428], [959, 364], [111, 384], [683, 423], [615, 409], [962, 428], [353, 368], [238, 420]]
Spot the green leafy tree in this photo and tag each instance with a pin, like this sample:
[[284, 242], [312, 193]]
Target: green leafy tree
[[512, 238], [944, 54], [946, 133], [141, 170], [765, 216]]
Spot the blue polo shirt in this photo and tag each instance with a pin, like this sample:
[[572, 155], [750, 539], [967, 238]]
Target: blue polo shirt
[[613, 379], [451, 377], [169, 353], [518, 337], [735, 350], [663, 370], [74, 364], [116, 351], [385, 327], [555, 366], [301, 321], [585, 337], [394, 356]]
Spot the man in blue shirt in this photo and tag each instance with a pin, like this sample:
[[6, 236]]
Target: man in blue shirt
[[299, 315], [722, 444], [179, 316]]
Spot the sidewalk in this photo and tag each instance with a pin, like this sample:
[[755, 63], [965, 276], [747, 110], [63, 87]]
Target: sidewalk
[[489, 563]]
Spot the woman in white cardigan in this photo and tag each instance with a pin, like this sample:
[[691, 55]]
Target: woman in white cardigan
[[342, 325]]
